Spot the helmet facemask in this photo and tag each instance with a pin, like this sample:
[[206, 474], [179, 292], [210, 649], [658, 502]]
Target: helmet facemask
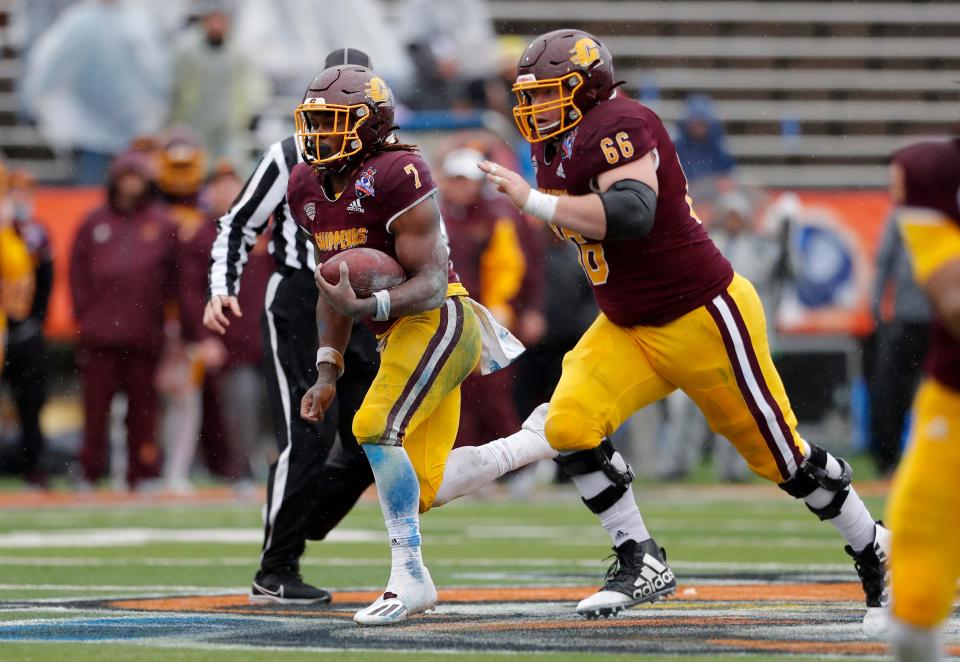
[[525, 113], [316, 120]]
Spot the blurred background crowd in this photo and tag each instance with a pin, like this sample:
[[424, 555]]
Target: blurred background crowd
[[154, 113]]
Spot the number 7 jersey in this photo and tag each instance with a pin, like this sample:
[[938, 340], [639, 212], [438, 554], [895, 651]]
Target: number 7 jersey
[[655, 279]]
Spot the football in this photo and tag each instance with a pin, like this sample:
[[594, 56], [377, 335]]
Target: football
[[370, 270]]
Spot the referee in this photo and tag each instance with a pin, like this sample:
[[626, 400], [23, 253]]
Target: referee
[[312, 485]]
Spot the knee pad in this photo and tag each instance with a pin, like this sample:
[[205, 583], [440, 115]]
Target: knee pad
[[813, 474], [603, 458], [368, 427]]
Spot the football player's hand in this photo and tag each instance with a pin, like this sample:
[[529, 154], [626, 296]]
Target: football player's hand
[[316, 401], [341, 296], [214, 317], [507, 182]]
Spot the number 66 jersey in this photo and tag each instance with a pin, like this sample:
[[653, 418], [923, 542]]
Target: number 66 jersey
[[664, 275]]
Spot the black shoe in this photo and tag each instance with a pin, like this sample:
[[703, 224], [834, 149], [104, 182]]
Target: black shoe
[[871, 564], [286, 587], [638, 574]]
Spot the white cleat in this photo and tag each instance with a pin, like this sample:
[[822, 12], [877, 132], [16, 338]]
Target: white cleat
[[402, 599]]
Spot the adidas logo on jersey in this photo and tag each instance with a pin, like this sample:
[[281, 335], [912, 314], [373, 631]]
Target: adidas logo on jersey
[[560, 172], [355, 207]]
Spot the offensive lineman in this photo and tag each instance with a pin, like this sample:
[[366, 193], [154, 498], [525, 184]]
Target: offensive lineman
[[673, 315]]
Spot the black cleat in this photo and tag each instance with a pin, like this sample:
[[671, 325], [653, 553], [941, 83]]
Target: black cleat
[[638, 574], [871, 565], [286, 587]]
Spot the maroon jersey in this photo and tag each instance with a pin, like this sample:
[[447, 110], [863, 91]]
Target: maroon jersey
[[931, 179], [655, 279], [387, 184]]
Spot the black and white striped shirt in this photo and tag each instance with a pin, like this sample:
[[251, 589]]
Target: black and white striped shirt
[[264, 193]]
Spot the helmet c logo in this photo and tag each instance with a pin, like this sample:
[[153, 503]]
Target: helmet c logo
[[585, 52], [377, 91]]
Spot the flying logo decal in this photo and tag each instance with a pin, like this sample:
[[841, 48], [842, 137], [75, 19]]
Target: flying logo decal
[[310, 209], [585, 52], [364, 184], [377, 91]]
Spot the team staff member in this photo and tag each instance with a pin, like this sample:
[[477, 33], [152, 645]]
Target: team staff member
[[308, 490], [122, 274], [925, 499], [673, 315]]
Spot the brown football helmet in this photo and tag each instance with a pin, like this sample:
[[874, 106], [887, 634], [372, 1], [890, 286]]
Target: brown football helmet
[[573, 63], [346, 111]]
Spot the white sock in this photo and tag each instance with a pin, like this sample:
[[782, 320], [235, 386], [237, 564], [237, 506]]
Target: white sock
[[854, 521], [471, 467], [913, 644], [406, 559], [622, 520]]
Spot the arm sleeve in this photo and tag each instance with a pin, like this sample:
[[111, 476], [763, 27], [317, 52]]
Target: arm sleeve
[[239, 228], [79, 270], [884, 262]]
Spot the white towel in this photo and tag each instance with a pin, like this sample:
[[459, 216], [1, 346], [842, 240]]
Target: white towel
[[500, 347]]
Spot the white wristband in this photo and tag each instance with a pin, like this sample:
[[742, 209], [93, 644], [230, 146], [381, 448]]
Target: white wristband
[[331, 356], [383, 306], [541, 205]]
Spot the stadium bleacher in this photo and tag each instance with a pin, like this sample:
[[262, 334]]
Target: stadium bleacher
[[857, 79]]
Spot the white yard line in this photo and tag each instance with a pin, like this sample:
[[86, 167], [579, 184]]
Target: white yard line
[[127, 537]]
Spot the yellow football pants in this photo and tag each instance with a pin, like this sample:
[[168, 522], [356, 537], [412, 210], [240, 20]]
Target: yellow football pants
[[922, 511], [414, 400], [717, 354]]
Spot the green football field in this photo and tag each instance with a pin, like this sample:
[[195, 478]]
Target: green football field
[[140, 578]]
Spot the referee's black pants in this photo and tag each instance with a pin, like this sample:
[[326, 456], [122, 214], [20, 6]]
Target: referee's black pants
[[309, 490]]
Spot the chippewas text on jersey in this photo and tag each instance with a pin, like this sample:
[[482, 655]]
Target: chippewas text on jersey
[[339, 240]]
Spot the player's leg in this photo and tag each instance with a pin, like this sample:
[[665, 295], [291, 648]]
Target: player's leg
[[425, 359], [290, 345], [469, 468], [606, 378], [922, 511], [719, 355]]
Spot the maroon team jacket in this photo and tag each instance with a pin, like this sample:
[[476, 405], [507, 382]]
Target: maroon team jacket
[[122, 272]]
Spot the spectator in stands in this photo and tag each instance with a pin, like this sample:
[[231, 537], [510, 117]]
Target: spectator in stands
[[96, 78], [25, 367], [217, 88], [485, 247], [453, 46], [122, 274], [902, 317], [700, 142], [291, 38]]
